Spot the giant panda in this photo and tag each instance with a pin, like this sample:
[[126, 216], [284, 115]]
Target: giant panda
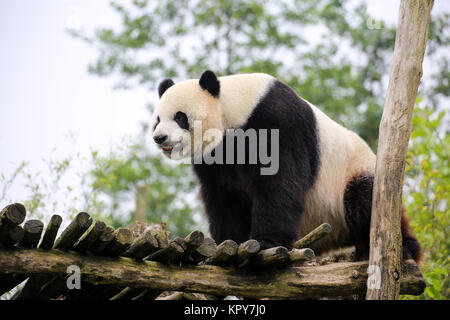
[[325, 171]]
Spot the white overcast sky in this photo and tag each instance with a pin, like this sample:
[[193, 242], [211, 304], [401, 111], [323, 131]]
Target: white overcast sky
[[46, 92]]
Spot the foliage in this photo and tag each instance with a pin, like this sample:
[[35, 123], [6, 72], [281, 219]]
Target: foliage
[[61, 187], [332, 52], [427, 192]]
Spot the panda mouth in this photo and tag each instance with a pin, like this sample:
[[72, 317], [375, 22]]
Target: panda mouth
[[169, 149]]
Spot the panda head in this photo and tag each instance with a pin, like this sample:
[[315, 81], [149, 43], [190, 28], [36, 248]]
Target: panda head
[[188, 119]]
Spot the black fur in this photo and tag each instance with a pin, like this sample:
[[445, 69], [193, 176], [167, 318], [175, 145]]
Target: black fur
[[182, 120], [164, 85], [208, 81], [240, 202], [358, 207], [358, 204]]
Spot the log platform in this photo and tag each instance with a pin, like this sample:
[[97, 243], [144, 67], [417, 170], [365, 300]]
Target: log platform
[[145, 263]]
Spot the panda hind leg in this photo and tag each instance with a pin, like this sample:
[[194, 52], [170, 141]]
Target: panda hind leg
[[358, 207]]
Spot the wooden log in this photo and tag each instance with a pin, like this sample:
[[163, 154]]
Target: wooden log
[[13, 236], [225, 251], [127, 294], [148, 294], [11, 216], [31, 288], [332, 280], [73, 231], [193, 240], [299, 255], [33, 231], [171, 252], [177, 295], [143, 246], [314, 236], [206, 250], [50, 233], [10, 281], [198, 296], [160, 232], [90, 236], [395, 129], [55, 286], [105, 238], [245, 251], [276, 256], [122, 240]]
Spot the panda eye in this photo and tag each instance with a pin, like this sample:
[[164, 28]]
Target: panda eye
[[157, 122], [182, 120]]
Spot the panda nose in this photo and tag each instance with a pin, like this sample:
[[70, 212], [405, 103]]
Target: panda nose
[[160, 139]]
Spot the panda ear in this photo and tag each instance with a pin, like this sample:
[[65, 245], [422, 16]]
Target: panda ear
[[164, 85], [208, 81]]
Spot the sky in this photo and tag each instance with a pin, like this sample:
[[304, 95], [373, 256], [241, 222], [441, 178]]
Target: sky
[[46, 93]]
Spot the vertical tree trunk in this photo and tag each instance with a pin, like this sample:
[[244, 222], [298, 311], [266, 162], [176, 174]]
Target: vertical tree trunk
[[140, 214], [395, 128]]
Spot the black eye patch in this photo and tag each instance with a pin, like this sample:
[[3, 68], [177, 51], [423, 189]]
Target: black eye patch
[[157, 122], [182, 120]]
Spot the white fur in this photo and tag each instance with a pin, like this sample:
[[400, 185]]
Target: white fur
[[343, 155]]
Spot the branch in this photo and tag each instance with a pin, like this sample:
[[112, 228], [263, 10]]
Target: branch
[[338, 279]]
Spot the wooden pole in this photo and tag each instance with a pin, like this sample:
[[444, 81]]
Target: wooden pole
[[395, 129], [336, 279]]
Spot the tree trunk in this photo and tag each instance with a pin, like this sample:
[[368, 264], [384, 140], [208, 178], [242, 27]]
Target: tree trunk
[[140, 214], [395, 129]]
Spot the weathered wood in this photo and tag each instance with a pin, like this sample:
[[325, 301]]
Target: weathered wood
[[11, 216], [33, 231], [73, 231], [206, 250], [32, 287], [105, 238], [193, 240], [122, 240], [90, 236], [127, 294], [225, 251], [13, 236], [177, 295], [148, 294], [298, 255], [336, 279], [48, 240], [276, 256], [245, 251], [143, 246], [395, 129], [172, 251], [314, 236]]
